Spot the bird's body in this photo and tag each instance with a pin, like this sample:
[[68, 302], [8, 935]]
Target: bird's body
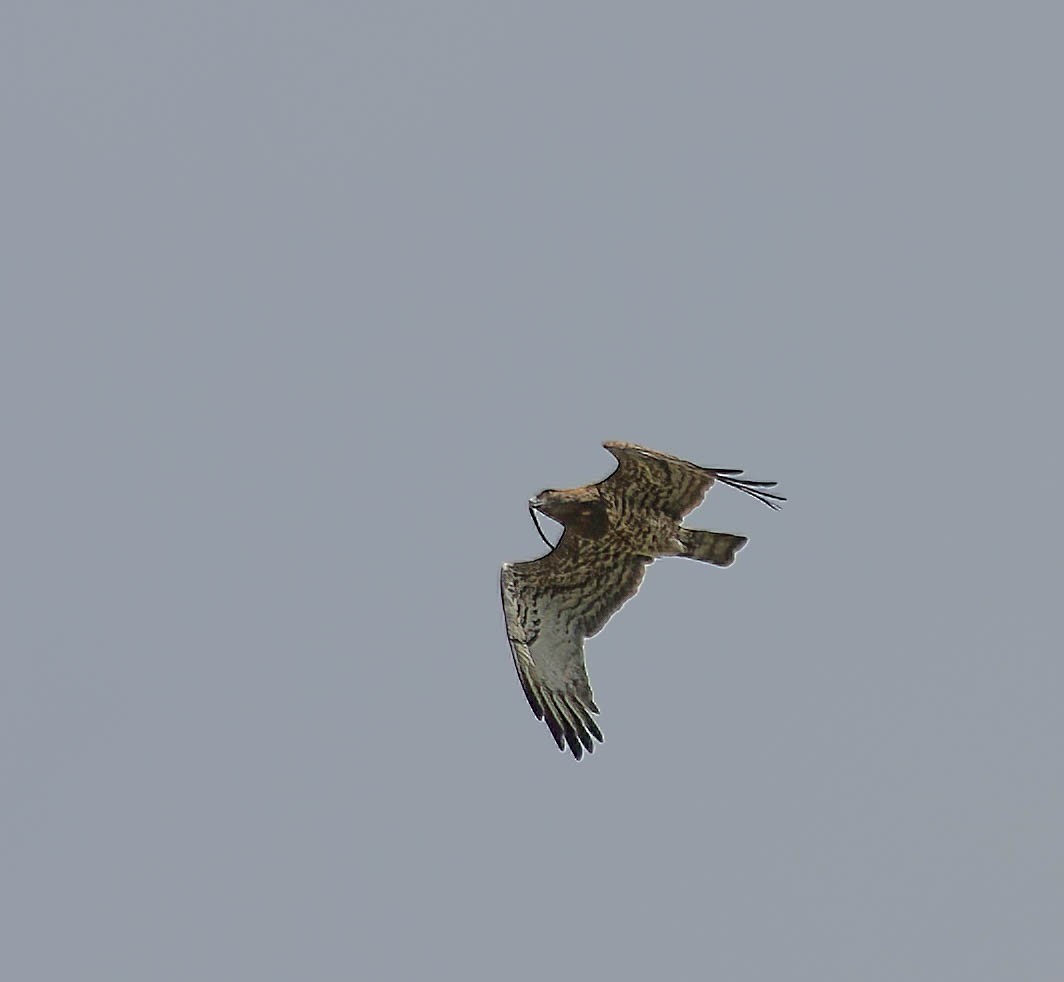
[[613, 530]]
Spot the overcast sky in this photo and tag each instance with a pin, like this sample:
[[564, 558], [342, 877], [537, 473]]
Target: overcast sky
[[303, 301]]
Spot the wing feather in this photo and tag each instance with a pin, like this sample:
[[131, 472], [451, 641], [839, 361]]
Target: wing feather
[[551, 605], [656, 481]]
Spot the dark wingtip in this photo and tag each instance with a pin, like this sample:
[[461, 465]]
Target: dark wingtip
[[576, 736], [572, 739], [752, 488], [555, 730]]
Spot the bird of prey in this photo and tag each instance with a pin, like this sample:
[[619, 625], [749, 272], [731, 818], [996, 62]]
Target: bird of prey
[[612, 530]]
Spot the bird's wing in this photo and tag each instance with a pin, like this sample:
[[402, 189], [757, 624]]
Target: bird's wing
[[551, 604], [649, 479]]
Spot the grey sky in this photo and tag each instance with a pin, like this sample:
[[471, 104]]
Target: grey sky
[[303, 301]]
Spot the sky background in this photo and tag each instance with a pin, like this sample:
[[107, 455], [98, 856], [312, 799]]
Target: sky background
[[303, 301]]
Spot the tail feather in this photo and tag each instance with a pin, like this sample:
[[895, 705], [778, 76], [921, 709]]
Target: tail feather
[[718, 548]]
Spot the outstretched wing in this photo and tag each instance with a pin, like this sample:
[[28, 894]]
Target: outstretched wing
[[655, 481], [551, 604]]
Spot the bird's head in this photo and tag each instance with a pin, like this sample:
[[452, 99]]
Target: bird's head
[[580, 510]]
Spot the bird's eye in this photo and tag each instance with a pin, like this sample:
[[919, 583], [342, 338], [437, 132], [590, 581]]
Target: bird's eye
[[545, 491]]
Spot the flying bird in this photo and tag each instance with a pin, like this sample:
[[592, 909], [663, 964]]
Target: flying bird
[[612, 531]]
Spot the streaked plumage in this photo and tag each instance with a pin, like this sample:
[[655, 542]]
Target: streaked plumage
[[613, 529]]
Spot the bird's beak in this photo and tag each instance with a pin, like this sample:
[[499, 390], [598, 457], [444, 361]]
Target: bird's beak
[[536, 503]]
